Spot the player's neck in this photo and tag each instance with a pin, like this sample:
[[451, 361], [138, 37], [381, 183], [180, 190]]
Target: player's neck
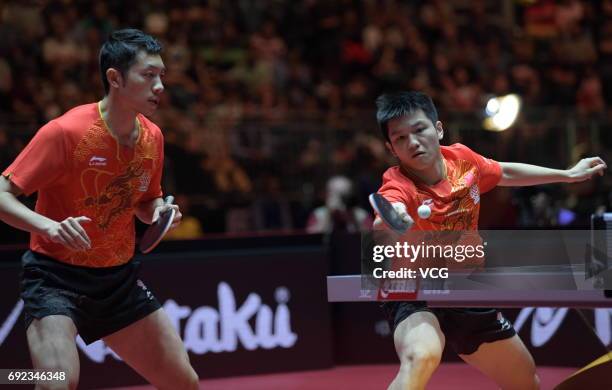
[[431, 175], [121, 122]]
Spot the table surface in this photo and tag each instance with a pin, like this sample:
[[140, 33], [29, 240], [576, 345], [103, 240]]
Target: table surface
[[550, 286]]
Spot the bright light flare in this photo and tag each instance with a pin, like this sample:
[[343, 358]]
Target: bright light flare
[[502, 112]]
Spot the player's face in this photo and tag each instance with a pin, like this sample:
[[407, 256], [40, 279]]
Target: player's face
[[415, 141], [143, 85]]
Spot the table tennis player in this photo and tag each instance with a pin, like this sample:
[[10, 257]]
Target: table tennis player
[[449, 180], [95, 168]]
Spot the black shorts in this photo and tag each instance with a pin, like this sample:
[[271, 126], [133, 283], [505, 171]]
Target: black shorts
[[100, 301], [465, 329]]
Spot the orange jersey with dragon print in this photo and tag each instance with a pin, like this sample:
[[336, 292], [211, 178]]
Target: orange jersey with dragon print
[[79, 169], [454, 201]]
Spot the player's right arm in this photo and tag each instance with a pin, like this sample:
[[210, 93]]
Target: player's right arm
[[68, 232]]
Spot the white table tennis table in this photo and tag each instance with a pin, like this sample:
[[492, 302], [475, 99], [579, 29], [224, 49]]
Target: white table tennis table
[[351, 288]]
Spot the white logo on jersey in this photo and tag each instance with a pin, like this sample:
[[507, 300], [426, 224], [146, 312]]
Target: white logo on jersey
[[145, 179], [475, 193], [96, 161]]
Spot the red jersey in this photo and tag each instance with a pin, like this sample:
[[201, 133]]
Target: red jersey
[[454, 201], [80, 169]]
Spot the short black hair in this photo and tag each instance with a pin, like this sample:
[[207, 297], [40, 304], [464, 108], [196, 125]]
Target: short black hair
[[397, 104], [120, 50]]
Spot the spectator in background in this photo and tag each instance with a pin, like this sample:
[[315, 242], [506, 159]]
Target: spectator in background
[[589, 97], [307, 68], [271, 209], [228, 177], [7, 153], [340, 212]]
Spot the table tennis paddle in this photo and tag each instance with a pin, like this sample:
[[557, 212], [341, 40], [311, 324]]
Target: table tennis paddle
[[388, 214], [157, 230]]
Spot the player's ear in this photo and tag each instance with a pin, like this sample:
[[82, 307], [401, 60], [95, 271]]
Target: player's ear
[[114, 77], [439, 130], [390, 148]]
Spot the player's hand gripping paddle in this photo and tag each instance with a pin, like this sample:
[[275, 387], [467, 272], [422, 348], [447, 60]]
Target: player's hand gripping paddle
[[388, 214], [154, 233]]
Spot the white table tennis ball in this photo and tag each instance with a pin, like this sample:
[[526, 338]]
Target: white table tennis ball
[[424, 211]]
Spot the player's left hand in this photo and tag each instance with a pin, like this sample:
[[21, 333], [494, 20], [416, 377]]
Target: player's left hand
[[585, 169], [177, 216]]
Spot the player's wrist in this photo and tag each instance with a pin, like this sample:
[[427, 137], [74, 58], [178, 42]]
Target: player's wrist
[[569, 175], [145, 211], [46, 227]]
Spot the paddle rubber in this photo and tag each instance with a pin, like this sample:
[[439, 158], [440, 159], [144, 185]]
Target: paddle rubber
[[387, 213], [154, 233]]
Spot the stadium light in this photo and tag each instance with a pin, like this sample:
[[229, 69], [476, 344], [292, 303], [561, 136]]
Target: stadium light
[[501, 112]]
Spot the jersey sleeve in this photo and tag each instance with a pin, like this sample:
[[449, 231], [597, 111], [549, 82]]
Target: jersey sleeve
[[42, 162], [155, 191], [490, 172], [393, 193], [394, 189]]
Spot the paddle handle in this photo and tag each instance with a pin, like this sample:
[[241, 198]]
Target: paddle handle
[[168, 200]]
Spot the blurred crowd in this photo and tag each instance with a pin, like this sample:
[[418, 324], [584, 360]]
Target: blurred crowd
[[266, 101]]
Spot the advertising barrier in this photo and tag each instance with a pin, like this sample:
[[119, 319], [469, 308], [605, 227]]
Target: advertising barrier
[[259, 305], [258, 309]]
